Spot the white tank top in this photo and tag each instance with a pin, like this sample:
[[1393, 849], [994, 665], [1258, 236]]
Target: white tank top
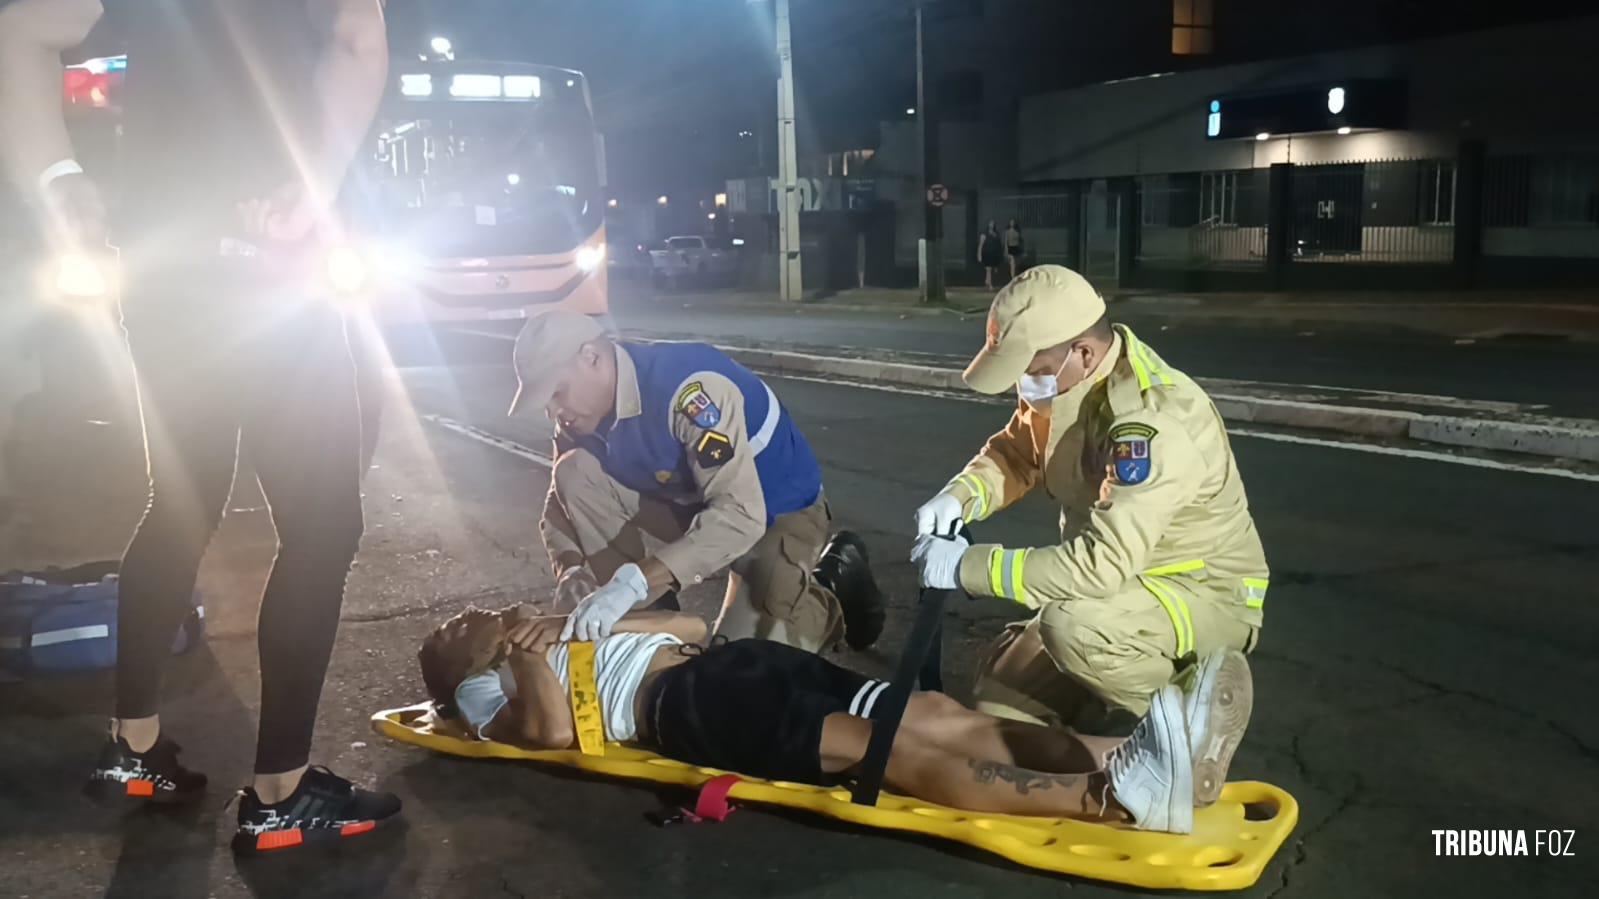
[[620, 663]]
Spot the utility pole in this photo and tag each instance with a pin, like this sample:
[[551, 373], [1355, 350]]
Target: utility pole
[[790, 280], [927, 132]]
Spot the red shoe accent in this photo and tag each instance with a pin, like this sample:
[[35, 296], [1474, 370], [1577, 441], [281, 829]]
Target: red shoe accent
[[278, 839], [141, 788], [356, 829]]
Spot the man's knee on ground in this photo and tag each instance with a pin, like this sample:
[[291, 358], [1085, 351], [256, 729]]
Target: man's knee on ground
[[575, 471], [1089, 642]]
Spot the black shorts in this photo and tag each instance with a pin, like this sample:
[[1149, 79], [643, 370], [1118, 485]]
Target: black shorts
[[756, 707]]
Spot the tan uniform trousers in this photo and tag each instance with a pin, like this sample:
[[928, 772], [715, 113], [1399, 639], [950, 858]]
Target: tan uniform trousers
[[772, 593], [1078, 661]]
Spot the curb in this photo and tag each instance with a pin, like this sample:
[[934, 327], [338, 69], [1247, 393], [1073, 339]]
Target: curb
[[1556, 439]]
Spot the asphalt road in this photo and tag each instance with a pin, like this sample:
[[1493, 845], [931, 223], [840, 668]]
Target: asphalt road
[[1557, 376], [1428, 662]]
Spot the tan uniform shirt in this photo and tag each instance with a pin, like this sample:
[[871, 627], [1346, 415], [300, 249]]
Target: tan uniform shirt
[[730, 514], [1181, 510]]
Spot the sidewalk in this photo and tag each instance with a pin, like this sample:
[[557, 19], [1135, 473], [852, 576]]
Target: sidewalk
[[1478, 315]]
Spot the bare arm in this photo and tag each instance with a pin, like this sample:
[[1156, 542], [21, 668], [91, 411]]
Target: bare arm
[[351, 71], [538, 716], [33, 33], [539, 634]]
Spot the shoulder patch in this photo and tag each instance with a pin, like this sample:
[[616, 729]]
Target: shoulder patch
[[1130, 452], [713, 450], [696, 405]]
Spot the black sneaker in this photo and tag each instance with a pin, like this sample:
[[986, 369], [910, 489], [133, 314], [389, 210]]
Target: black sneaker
[[846, 570], [155, 775], [324, 808]]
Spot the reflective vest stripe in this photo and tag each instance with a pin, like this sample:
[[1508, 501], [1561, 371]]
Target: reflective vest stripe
[[1177, 609], [1144, 365], [996, 586], [1255, 592], [1177, 568]]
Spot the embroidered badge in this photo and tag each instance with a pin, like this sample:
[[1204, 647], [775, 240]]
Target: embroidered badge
[[713, 450], [696, 405], [1130, 453]]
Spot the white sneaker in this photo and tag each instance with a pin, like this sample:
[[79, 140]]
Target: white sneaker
[[1217, 698], [1152, 773]]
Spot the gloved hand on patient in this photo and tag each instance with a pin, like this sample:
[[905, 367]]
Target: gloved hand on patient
[[573, 586], [598, 613]]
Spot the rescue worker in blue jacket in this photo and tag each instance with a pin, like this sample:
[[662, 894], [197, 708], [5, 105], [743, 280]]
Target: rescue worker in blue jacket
[[672, 463]]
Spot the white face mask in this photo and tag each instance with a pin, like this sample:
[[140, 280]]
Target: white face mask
[[1037, 389]]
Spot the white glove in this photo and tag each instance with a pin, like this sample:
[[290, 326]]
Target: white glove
[[938, 559], [599, 611], [573, 586], [937, 514]]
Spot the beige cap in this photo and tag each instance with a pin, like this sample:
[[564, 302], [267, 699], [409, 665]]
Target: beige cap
[[547, 343], [1042, 307]]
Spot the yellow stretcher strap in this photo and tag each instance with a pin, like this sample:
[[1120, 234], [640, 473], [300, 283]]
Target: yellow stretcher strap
[[1229, 849], [587, 715]]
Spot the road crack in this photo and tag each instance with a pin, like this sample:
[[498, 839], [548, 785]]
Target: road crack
[[1440, 689]]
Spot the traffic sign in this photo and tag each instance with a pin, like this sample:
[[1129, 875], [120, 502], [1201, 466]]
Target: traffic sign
[[937, 195]]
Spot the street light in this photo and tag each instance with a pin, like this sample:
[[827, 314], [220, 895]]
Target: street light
[[660, 200], [442, 47]]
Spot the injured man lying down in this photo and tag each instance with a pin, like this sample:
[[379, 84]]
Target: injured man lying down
[[768, 710]]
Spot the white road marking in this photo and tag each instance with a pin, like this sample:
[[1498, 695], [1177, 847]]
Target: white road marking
[[482, 436], [1429, 455]]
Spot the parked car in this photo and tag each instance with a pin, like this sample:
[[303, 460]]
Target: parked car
[[697, 259]]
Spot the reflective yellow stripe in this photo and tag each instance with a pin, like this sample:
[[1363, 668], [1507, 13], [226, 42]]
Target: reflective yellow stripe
[[996, 585], [585, 696], [1255, 592], [1177, 568], [1138, 366], [979, 494], [1016, 559], [1177, 609], [1155, 371]]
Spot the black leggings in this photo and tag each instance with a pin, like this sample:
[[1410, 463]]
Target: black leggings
[[229, 368]]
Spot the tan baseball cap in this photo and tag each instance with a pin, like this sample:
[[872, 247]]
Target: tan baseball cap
[[547, 343], [1042, 307]]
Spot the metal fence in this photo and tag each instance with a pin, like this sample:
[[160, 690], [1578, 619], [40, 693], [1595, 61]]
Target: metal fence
[[1203, 219], [1541, 205], [1388, 211]]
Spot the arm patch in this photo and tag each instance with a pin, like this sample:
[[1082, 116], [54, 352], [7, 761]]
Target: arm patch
[[713, 450], [1130, 452], [697, 406]]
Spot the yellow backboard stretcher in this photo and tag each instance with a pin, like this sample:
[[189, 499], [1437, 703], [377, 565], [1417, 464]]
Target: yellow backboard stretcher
[[1228, 849]]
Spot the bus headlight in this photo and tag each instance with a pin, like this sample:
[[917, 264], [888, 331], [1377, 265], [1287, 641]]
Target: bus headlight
[[79, 276], [590, 257], [347, 271]]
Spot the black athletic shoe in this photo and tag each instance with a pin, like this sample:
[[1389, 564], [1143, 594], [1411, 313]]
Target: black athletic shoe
[[156, 775], [324, 808], [846, 569]]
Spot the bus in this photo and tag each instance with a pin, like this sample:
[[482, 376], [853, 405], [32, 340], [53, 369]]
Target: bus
[[483, 194], [480, 196]]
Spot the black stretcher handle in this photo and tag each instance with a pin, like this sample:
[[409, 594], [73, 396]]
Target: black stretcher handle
[[921, 659]]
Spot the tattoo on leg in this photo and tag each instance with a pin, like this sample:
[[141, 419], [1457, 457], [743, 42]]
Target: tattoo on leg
[[986, 772]]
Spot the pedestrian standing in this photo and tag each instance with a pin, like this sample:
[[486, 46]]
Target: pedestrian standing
[[239, 121], [1015, 246], [988, 251]]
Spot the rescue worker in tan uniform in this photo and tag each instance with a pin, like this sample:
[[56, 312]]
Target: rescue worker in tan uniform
[[673, 463], [1158, 564]]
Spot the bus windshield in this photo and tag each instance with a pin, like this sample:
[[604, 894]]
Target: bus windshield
[[455, 177]]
